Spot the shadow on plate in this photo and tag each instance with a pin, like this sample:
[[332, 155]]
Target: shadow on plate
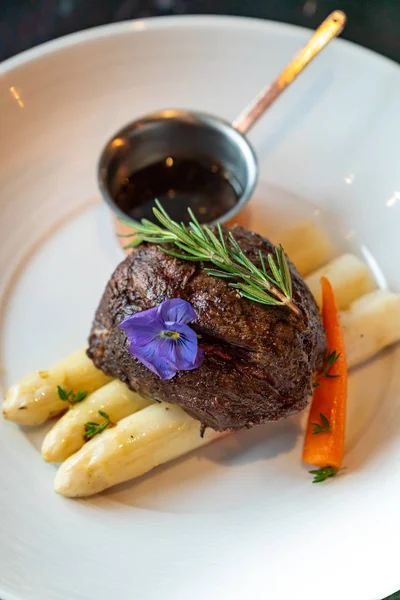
[[252, 445], [188, 484]]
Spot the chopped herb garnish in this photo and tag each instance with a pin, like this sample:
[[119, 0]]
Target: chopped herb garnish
[[323, 473], [92, 428], [324, 428], [69, 396], [330, 359], [79, 396]]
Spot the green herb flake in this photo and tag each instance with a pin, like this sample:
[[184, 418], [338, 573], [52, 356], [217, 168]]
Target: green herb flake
[[323, 474], [323, 427], [79, 396], [92, 428], [329, 361], [63, 394], [69, 396]]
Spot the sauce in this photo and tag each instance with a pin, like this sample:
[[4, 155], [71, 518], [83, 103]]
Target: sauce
[[179, 183]]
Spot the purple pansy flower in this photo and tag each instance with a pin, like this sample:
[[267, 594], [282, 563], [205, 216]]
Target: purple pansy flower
[[161, 339]]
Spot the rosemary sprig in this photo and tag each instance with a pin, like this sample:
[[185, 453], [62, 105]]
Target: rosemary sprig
[[92, 428], [199, 243], [69, 396], [324, 428]]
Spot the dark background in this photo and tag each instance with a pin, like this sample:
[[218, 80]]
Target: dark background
[[374, 24], [26, 23]]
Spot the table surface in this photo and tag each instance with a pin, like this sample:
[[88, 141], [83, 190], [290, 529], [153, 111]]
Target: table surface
[[26, 23], [374, 24]]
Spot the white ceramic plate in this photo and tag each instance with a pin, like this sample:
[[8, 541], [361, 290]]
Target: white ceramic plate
[[239, 519]]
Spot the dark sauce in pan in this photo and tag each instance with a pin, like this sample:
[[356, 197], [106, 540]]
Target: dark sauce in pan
[[179, 183]]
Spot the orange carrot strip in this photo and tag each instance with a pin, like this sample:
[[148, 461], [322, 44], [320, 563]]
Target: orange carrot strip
[[326, 448]]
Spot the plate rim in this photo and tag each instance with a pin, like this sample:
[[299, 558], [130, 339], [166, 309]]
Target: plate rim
[[169, 22]]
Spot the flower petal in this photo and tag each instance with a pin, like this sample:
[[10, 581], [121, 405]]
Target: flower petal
[[177, 310], [182, 352], [144, 314], [149, 356], [198, 361], [141, 332]]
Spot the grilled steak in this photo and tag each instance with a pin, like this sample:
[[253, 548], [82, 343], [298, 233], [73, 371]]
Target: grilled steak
[[259, 359]]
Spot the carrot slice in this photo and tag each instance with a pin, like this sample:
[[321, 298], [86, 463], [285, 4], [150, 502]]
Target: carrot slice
[[324, 439]]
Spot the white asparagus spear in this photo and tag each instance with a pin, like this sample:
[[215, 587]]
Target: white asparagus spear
[[371, 324], [67, 435], [34, 399], [137, 444], [349, 276], [307, 245]]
